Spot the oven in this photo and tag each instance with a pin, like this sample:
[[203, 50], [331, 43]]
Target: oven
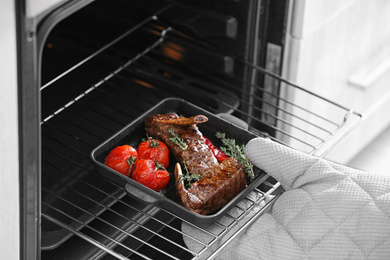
[[89, 68]]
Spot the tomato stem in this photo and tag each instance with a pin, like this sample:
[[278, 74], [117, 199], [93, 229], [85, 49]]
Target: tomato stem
[[131, 162]]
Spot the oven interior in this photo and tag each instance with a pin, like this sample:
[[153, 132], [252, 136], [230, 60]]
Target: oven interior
[[107, 63]]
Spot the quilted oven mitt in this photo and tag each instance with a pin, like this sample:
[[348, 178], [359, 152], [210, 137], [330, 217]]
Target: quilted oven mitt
[[328, 211]]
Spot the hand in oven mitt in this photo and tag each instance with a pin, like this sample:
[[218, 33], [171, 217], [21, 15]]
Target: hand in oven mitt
[[328, 211]]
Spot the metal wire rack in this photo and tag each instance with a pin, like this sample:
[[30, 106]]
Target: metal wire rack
[[80, 207]]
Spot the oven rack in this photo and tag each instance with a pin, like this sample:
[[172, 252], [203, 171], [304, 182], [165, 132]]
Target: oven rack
[[313, 129], [114, 225], [200, 243]]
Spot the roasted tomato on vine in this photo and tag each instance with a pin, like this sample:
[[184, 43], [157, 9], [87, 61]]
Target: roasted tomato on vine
[[151, 174], [155, 150], [122, 159]]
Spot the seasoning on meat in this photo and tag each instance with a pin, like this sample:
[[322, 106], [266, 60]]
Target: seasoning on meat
[[220, 182]]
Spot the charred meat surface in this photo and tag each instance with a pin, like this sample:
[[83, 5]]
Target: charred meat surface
[[220, 182]]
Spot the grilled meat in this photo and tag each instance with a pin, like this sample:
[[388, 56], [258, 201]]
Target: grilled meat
[[220, 182]]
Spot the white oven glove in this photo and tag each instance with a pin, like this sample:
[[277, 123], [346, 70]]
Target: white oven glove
[[328, 211]]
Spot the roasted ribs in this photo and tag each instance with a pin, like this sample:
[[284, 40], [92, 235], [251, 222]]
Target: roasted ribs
[[220, 182]]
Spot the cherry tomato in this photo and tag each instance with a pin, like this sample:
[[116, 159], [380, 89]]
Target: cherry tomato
[[122, 159], [155, 150], [148, 173]]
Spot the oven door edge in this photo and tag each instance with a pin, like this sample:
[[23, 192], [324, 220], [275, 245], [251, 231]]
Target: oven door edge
[[29, 135], [30, 34]]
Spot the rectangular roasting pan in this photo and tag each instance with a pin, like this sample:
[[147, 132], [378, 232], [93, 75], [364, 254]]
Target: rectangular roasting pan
[[133, 134]]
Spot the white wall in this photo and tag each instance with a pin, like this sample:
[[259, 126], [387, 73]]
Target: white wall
[[341, 51], [9, 171]]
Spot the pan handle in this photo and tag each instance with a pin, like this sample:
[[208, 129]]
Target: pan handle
[[140, 195]]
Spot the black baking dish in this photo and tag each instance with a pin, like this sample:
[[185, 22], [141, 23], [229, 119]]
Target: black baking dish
[[133, 134]]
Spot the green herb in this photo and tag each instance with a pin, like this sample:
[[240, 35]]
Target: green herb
[[231, 149], [131, 162], [158, 166], [177, 140], [153, 143], [188, 177]]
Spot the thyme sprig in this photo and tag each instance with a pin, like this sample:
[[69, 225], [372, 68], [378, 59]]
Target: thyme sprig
[[177, 140], [188, 177], [232, 149]]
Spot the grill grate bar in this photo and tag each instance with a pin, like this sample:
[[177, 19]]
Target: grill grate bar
[[268, 92], [280, 120], [225, 235], [118, 70], [276, 117], [286, 84], [109, 224], [244, 226], [275, 127], [107, 46], [87, 238], [108, 208]]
